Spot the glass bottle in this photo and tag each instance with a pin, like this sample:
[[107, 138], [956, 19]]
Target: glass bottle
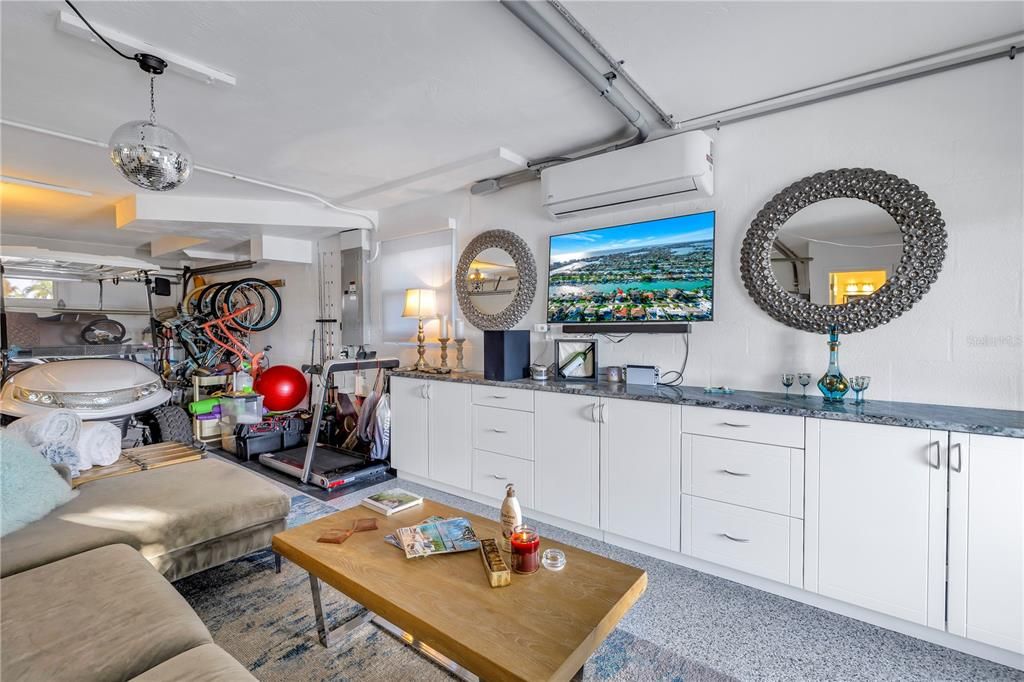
[[833, 385]]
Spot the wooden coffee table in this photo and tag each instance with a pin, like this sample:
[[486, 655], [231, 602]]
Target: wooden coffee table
[[541, 627]]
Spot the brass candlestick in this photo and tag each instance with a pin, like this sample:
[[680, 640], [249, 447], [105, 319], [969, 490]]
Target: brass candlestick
[[459, 367], [444, 352]]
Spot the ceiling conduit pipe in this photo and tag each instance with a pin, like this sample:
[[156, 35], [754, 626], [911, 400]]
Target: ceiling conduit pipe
[[535, 22], [545, 31]]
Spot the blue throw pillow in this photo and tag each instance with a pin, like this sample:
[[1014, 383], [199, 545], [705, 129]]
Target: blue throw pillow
[[29, 487]]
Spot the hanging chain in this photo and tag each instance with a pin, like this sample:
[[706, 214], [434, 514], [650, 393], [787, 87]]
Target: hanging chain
[[152, 99]]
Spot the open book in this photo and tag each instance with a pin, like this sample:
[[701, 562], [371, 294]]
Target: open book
[[437, 537]]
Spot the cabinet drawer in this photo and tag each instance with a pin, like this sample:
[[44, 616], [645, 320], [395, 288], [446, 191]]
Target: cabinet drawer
[[492, 472], [508, 432], [499, 396], [755, 427], [756, 542], [765, 477]]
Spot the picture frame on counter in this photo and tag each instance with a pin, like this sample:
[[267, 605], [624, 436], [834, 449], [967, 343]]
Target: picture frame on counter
[[576, 360]]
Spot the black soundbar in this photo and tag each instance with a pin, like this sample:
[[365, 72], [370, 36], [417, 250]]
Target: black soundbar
[[628, 328]]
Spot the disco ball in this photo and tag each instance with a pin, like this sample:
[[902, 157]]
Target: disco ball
[[151, 156]]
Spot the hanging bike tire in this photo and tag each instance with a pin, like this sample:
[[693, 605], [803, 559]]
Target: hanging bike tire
[[269, 300]]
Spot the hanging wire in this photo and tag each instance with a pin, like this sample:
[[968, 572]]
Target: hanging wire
[[97, 33]]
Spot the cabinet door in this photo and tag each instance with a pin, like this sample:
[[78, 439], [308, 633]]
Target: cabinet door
[[567, 461], [986, 539], [640, 471], [409, 426], [876, 510], [450, 449]]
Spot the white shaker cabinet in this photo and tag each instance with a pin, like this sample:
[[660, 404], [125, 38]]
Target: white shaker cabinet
[[409, 425], [449, 423], [567, 460], [876, 518], [640, 471], [986, 539], [430, 427]]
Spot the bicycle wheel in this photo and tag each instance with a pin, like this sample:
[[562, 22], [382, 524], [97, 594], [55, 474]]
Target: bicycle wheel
[[266, 300], [208, 299]]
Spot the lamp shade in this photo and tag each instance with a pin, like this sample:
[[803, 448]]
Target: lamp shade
[[420, 303]]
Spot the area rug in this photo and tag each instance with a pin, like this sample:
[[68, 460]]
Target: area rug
[[265, 620]]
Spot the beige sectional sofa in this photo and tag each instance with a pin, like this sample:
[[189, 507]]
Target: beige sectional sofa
[[85, 592], [183, 519], [105, 615]]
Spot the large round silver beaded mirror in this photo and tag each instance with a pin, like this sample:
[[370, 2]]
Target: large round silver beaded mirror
[[496, 280], [843, 250]]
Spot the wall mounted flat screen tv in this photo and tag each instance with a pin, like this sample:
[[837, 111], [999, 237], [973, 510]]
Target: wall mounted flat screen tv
[[653, 271]]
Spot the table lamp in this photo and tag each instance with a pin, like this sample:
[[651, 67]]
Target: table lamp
[[420, 303]]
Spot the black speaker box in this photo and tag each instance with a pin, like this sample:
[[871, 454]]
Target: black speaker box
[[506, 354]]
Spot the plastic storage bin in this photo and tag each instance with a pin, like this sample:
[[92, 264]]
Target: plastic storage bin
[[246, 408]]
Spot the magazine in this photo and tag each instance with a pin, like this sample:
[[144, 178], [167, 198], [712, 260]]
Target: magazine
[[391, 501], [438, 537], [392, 540]]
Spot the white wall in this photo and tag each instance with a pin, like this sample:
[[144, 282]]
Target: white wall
[[957, 135]]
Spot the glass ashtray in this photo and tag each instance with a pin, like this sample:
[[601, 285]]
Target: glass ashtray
[[553, 559]]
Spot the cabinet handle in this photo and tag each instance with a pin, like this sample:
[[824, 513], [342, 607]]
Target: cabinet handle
[[959, 458], [938, 455], [734, 473], [499, 478], [499, 430], [604, 413], [736, 426], [423, 391], [499, 397], [593, 413], [726, 535]]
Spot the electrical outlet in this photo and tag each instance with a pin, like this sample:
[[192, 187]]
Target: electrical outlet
[[541, 328]]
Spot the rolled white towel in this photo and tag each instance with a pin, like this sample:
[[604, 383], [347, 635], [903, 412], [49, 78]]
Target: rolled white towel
[[100, 444], [56, 426]]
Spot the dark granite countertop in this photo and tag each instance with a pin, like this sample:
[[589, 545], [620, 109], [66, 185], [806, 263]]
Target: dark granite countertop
[[917, 415]]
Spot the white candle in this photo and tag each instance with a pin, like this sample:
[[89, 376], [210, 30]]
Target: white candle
[[460, 329], [443, 327]]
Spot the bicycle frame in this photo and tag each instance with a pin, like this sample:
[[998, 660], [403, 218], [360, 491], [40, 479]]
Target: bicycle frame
[[234, 345]]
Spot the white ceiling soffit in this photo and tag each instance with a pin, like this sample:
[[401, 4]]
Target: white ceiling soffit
[[697, 58], [213, 218], [439, 180], [69, 23]]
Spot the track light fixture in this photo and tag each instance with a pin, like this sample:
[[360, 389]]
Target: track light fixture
[[148, 155]]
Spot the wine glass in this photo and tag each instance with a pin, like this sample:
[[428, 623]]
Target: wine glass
[[805, 380], [859, 384], [787, 381]]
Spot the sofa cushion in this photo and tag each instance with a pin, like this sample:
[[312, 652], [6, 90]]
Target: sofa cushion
[[101, 615], [30, 488], [158, 512], [206, 663]]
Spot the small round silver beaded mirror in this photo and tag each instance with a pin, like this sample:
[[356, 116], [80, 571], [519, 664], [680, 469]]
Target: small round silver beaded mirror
[[496, 280], [843, 250]]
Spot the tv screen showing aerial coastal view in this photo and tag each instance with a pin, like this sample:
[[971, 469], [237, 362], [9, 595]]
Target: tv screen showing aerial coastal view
[[655, 271]]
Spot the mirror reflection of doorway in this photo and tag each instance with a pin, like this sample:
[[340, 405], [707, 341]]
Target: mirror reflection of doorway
[[844, 287]]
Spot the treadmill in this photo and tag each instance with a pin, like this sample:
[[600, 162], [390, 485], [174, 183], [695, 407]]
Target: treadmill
[[322, 465]]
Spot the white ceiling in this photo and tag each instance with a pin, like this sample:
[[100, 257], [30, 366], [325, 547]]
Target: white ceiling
[[339, 97]]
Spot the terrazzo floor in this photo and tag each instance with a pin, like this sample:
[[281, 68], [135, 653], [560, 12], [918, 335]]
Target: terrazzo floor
[[745, 633]]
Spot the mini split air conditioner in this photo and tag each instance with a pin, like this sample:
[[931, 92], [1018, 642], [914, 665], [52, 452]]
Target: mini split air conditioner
[[674, 168]]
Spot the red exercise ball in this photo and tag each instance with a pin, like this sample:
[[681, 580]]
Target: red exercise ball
[[281, 386]]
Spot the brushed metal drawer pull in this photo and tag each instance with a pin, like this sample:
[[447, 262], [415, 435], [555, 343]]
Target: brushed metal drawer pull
[[959, 459], [499, 430], [938, 455], [499, 478], [726, 535], [734, 473], [736, 426], [498, 397]]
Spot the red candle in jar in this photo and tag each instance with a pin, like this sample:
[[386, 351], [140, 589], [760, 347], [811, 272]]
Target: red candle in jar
[[525, 549]]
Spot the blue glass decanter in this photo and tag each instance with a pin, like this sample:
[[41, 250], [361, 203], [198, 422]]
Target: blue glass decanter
[[833, 385]]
